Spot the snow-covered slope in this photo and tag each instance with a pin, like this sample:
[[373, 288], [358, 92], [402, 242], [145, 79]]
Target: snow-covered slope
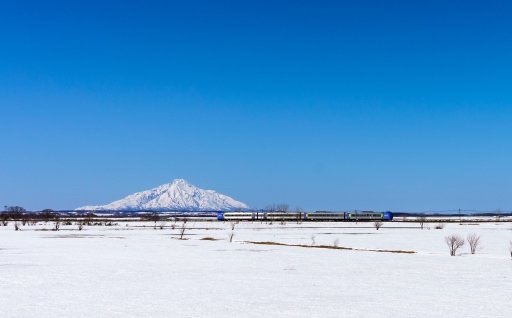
[[174, 196]]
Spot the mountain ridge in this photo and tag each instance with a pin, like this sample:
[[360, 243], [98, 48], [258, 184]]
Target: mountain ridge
[[178, 195]]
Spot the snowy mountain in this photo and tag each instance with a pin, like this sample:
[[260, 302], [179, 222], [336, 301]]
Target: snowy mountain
[[178, 195]]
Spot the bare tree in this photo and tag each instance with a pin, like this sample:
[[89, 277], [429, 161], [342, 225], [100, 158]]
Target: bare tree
[[47, 215], [454, 242], [15, 212], [421, 220], [282, 207], [183, 228], [300, 213], [474, 242], [270, 208], [377, 225]]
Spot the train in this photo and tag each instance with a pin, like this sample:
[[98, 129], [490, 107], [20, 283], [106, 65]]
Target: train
[[305, 216]]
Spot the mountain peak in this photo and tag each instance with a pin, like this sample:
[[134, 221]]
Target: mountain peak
[[180, 182], [179, 195]]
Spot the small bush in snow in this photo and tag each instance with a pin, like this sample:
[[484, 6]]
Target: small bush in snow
[[377, 225], [183, 228], [474, 242], [421, 220], [439, 226], [16, 226], [454, 242]]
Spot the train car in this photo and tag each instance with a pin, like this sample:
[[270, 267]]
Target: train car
[[387, 216], [326, 216], [296, 216], [283, 216], [233, 216], [365, 216]]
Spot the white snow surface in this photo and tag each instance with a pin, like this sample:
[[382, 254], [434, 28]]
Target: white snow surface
[[177, 195], [136, 269]]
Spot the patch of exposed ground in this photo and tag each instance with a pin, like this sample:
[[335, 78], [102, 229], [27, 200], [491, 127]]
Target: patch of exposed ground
[[332, 247]]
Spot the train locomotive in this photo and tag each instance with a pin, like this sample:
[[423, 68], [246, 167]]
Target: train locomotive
[[305, 216]]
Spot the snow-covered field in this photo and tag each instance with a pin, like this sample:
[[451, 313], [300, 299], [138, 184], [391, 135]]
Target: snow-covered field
[[134, 270]]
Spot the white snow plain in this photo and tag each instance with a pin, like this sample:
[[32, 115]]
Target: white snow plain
[[135, 270]]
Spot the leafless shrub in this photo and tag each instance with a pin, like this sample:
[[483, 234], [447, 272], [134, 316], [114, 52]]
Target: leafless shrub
[[299, 213], [80, 226], [313, 240], [282, 207], [439, 226], [56, 226], [5, 222], [183, 228], [173, 226], [283, 222], [377, 225], [454, 242], [474, 242], [421, 220], [162, 225], [16, 226], [498, 215]]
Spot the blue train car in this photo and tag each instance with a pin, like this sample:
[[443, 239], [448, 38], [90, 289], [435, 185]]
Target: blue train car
[[387, 216]]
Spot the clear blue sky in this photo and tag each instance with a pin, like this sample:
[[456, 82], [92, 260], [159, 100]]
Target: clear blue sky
[[399, 105]]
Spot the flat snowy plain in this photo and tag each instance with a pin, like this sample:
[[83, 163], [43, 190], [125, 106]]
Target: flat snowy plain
[[134, 270]]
